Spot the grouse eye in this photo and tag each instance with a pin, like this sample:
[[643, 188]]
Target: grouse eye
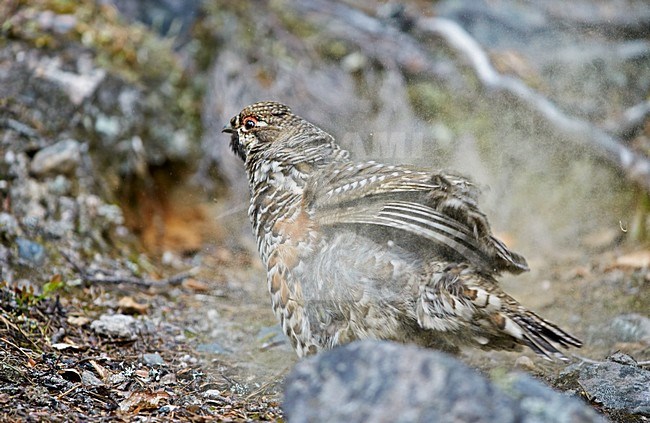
[[249, 122]]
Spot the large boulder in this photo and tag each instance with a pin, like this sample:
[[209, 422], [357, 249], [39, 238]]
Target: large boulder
[[385, 382]]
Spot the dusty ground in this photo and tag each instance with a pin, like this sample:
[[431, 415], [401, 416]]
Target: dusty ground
[[209, 346]]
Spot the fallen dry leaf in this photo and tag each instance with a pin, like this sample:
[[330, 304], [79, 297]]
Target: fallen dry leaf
[[143, 373], [101, 370], [61, 346], [78, 320], [128, 305], [143, 400]]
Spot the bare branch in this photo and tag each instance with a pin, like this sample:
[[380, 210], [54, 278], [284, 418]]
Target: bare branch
[[174, 280], [171, 281], [634, 165]]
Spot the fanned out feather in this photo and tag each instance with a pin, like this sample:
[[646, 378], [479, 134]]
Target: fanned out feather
[[337, 185], [417, 220], [439, 208]]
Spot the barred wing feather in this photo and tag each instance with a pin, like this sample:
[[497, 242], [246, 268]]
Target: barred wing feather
[[437, 207]]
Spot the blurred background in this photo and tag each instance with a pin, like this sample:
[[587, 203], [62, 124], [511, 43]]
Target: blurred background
[[147, 85], [112, 160]]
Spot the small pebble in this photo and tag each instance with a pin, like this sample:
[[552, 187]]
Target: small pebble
[[112, 213], [8, 225], [58, 23], [108, 125], [212, 394], [166, 409], [622, 358], [117, 325], [354, 62], [62, 157], [153, 359], [168, 379], [30, 251], [88, 378], [59, 186]]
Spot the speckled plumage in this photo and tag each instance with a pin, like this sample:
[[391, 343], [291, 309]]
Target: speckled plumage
[[366, 250]]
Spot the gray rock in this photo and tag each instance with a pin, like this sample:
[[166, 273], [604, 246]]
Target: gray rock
[[630, 327], [8, 225], [212, 348], [111, 213], [153, 359], [6, 269], [118, 326], [166, 409], [60, 185], [30, 251], [62, 157], [108, 125], [88, 378], [540, 403], [213, 394], [619, 384], [385, 382], [117, 378], [79, 85]]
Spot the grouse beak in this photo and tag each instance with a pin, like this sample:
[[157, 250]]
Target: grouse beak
[[227, 129]]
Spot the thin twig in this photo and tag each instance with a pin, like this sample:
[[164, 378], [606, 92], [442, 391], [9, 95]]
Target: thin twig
[[78, 385], [174, 280]]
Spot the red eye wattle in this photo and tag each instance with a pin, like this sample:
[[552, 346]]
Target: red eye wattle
[[249, 122]]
